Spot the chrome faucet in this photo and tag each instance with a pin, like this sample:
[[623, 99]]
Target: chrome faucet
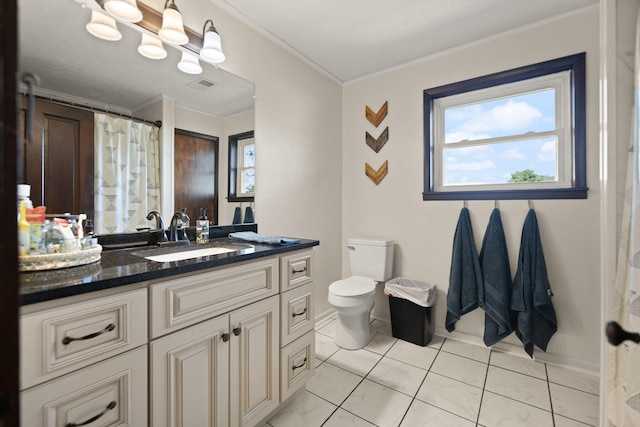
[[159, 224], [173, 226]]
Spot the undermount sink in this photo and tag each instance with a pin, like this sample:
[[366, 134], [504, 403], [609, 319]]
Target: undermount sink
[[184, 253]]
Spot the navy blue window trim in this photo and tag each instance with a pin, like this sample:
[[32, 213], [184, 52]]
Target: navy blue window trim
[[577, 65]]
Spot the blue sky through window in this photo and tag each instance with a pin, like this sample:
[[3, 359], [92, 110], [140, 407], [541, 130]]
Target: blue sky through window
[[494, 163]]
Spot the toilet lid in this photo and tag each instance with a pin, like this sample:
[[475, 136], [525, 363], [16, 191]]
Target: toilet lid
[[353, 286]]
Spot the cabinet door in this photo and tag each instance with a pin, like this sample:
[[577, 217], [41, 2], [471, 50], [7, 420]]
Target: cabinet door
[[110, 393], [254, 367], [189, 376]]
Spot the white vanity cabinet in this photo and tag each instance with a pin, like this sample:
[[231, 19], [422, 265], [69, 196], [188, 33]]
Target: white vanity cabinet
[[85, 360]]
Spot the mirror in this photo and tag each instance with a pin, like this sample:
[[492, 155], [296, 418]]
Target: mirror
[[76, 67]]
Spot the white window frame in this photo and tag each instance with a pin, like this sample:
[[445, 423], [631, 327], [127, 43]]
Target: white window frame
[[242, 168], [560, 82]]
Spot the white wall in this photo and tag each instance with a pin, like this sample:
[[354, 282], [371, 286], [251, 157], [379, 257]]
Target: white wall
[[423, 230], [298, 122]]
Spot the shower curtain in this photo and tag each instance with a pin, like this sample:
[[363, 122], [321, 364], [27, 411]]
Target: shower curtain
[[623, 382], [127, 173]]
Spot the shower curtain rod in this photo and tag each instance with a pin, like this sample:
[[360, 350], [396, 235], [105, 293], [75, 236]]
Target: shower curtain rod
[[156, 123]]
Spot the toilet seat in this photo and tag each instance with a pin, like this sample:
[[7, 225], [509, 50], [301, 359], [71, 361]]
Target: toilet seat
[[354, 286]]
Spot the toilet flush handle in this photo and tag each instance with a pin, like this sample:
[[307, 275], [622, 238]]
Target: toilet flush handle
[[351, 248]]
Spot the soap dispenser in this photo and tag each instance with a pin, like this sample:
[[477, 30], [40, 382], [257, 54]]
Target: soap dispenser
[[202, 227]]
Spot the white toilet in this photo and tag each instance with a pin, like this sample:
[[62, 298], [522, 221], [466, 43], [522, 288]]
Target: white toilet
[[371, 261]]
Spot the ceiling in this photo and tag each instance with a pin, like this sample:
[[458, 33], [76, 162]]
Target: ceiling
[[350, 39]]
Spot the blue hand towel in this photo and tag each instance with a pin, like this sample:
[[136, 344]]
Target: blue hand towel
[[496, 275], [250, 236], [465, 277], [531, 294]]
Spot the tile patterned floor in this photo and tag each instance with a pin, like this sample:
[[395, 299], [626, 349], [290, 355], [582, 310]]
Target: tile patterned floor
[[392, 383]]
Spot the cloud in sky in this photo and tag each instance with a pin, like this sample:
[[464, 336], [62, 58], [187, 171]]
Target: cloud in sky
[[453, 165], [548, 151]]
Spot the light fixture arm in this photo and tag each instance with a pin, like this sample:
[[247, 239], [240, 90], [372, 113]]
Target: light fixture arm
[[171, 4], [212, 28]]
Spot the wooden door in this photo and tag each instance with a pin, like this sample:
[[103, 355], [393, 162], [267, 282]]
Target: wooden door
[[59, 160], [254, 362], [196, 174], [190, 377]]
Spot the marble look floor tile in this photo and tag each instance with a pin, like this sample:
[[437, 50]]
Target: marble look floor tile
[[381, 327], [523, 388], [342, 418], [359, 362], [329, 329], [421, 414], [332, 383], [380, 343], [319, 361], [464, 349], [498, 411], [574, 379], [567, 422], [305, 410], [460, 368], [398, 376], [377, 404], [451, 395], [522, 365], [575, 404], [436, 342], [416, 355], [325, 347]]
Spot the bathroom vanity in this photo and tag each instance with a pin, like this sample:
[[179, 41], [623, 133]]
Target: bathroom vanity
[[215, 340]]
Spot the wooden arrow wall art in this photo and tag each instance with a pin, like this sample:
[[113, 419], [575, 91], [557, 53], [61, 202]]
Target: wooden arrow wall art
[[377, 144], [376, 118], [376, 175]]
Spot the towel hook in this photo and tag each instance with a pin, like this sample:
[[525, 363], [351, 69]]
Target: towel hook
[[465, 204], [530, 204], [496, 204]]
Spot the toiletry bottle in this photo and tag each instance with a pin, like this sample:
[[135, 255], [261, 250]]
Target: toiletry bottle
[[23, 193], [23, 230], [202, 227]]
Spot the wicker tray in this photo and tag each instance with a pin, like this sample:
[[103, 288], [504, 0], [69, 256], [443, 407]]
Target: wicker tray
[[61, 260]]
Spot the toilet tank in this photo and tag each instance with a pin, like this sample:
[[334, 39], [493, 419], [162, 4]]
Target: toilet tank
[[371, 258]]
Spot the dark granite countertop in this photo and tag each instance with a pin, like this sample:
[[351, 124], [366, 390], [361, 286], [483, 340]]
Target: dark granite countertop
[[124, 267]]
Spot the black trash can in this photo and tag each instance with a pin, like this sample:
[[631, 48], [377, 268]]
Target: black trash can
[[410, 303]]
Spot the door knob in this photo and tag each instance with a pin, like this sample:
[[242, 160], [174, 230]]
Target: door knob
[[616, 335]]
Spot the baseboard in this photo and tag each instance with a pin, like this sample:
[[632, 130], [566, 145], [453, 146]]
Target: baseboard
[[325, 316], [517, 350]]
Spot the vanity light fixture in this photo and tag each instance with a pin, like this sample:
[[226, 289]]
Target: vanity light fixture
[[151, 47], [211, 44], [189, 64], [103, 27], [172, 30], [124, 10]]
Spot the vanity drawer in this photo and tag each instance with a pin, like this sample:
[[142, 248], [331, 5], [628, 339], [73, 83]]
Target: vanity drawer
[[297, 313], [115, 391], [297, 364], [296, 270], [57, 341], [187, 300]]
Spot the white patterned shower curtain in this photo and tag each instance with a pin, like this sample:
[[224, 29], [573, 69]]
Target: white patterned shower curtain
[[623, 385], [127, 173]]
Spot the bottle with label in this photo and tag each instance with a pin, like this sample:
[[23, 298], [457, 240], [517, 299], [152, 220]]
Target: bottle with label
[[202, 227], [23, 230]]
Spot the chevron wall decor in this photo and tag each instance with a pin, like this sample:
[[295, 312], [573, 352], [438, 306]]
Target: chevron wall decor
[[377, 144], [376, 175], [376, 118]]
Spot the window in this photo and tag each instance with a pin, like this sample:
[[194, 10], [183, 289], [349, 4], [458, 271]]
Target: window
[[242, 164], [518, 134]]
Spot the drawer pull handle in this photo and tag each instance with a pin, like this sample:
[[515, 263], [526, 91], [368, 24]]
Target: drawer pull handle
[[304, 362], [225, 337], [299, 314], [236, 331], [303, 270], [67, 340], [109, 407]]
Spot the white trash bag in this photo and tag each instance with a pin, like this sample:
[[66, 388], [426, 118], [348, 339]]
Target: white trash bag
[[416, 291]]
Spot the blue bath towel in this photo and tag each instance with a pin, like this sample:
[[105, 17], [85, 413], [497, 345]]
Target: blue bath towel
[[250, 236], [496, 275], [465, 277], [531, 295]]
